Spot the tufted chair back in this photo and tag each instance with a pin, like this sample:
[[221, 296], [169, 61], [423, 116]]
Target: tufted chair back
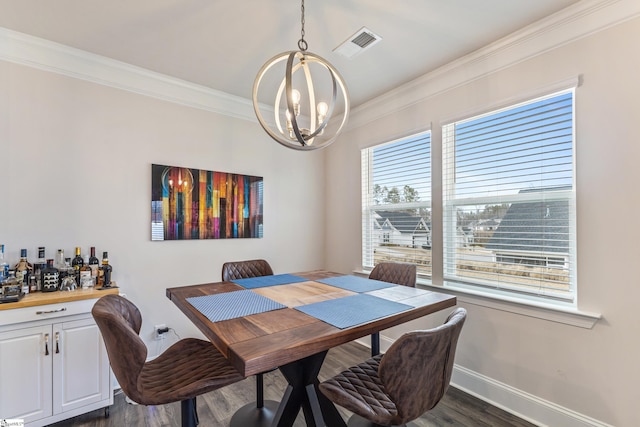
[[187, 369], [400, 273], [421, 360], [119, 321], [245, 269], [399, 386]]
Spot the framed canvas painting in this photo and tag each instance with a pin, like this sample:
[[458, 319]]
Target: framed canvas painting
[[191, 204]]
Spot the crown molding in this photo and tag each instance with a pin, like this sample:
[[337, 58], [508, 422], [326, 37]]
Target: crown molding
[[572, 23], [46, 55], [568, 25]]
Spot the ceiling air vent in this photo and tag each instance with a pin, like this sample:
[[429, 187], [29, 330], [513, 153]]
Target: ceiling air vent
[[356, 44]]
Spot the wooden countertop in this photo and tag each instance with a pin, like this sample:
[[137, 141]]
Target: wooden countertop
[[44, 298]]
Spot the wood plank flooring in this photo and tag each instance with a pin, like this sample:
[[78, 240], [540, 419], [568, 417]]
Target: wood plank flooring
[[216, 408]]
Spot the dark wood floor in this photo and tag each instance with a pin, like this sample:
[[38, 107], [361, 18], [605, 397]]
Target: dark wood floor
[[216, 408]]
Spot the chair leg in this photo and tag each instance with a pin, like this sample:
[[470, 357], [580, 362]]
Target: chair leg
[[375, 344], [188, 413]]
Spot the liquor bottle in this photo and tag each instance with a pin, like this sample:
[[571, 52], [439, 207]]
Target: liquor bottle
[[39, 266], [67, 277], [50, 277], [64, 267], [13, 282], [33, 283], [106, 270], [86, 279], [59, 262], [24, 269], [4, 267], [94, 263], [77, 264], [41, 256]]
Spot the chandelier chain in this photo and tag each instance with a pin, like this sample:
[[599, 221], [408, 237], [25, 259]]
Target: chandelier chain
[[302, 43]]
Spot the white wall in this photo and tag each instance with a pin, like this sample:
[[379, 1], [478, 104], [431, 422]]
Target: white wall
[[594, 372], [75, 170]]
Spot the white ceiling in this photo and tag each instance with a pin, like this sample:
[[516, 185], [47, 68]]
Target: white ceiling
[[222, 44]]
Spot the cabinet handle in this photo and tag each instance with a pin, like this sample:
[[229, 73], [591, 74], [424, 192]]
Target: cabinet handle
[[52, 311], [46, 344], [57, 340]]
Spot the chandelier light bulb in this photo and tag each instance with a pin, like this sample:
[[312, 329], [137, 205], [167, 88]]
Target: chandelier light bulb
[[323, 108], [295, 95]]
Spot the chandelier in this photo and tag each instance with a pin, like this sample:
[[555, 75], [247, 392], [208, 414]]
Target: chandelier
[[306, 95]]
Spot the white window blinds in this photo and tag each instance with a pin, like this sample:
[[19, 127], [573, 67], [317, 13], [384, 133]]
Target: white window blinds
[[509, 200], [396, 202]]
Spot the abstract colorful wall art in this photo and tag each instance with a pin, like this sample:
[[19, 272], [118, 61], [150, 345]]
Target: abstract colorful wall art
[[196, 204]]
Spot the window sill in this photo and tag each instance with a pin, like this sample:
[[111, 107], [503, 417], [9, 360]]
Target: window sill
[[540, 310]]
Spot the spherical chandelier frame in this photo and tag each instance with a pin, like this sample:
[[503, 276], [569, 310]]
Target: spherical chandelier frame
[[292, 135]]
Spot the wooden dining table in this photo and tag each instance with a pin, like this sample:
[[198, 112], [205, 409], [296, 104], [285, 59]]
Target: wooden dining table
[[295, 337]]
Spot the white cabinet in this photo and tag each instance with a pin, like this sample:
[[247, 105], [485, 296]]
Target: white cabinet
[[25, 374], [81, 366], [53, 363]]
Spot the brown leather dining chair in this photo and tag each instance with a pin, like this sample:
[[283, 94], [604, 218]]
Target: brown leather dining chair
[[399, 273], [399, 386], [185, 370], [261, 412], [245, 269]]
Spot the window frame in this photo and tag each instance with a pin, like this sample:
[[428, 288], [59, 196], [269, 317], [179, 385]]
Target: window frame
[[546, 309]]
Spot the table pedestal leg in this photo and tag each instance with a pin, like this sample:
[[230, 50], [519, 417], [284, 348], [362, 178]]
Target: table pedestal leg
[[302, 392], [256, 414], [251, 415]]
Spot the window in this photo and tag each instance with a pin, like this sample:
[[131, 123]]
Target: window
[[508, 199], [396, 202]]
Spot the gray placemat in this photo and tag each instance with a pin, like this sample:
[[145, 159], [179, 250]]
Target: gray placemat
[[355, 283], [230, 305], [352, 310]]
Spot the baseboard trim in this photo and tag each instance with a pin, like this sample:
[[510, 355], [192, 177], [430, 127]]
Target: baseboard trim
[[531, 408]]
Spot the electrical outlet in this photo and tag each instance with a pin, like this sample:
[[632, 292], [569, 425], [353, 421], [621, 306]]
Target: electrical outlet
[[160, 331]]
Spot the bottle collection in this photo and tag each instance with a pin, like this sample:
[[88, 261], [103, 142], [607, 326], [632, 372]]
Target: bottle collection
[[49, 274]]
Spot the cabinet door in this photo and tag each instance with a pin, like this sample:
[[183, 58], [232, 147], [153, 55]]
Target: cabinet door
[[25, 373], [81, 373]]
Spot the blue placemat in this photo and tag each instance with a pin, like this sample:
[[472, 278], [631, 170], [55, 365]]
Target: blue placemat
[[355, 283], [264, 281], [352, 310], [230, 305]]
